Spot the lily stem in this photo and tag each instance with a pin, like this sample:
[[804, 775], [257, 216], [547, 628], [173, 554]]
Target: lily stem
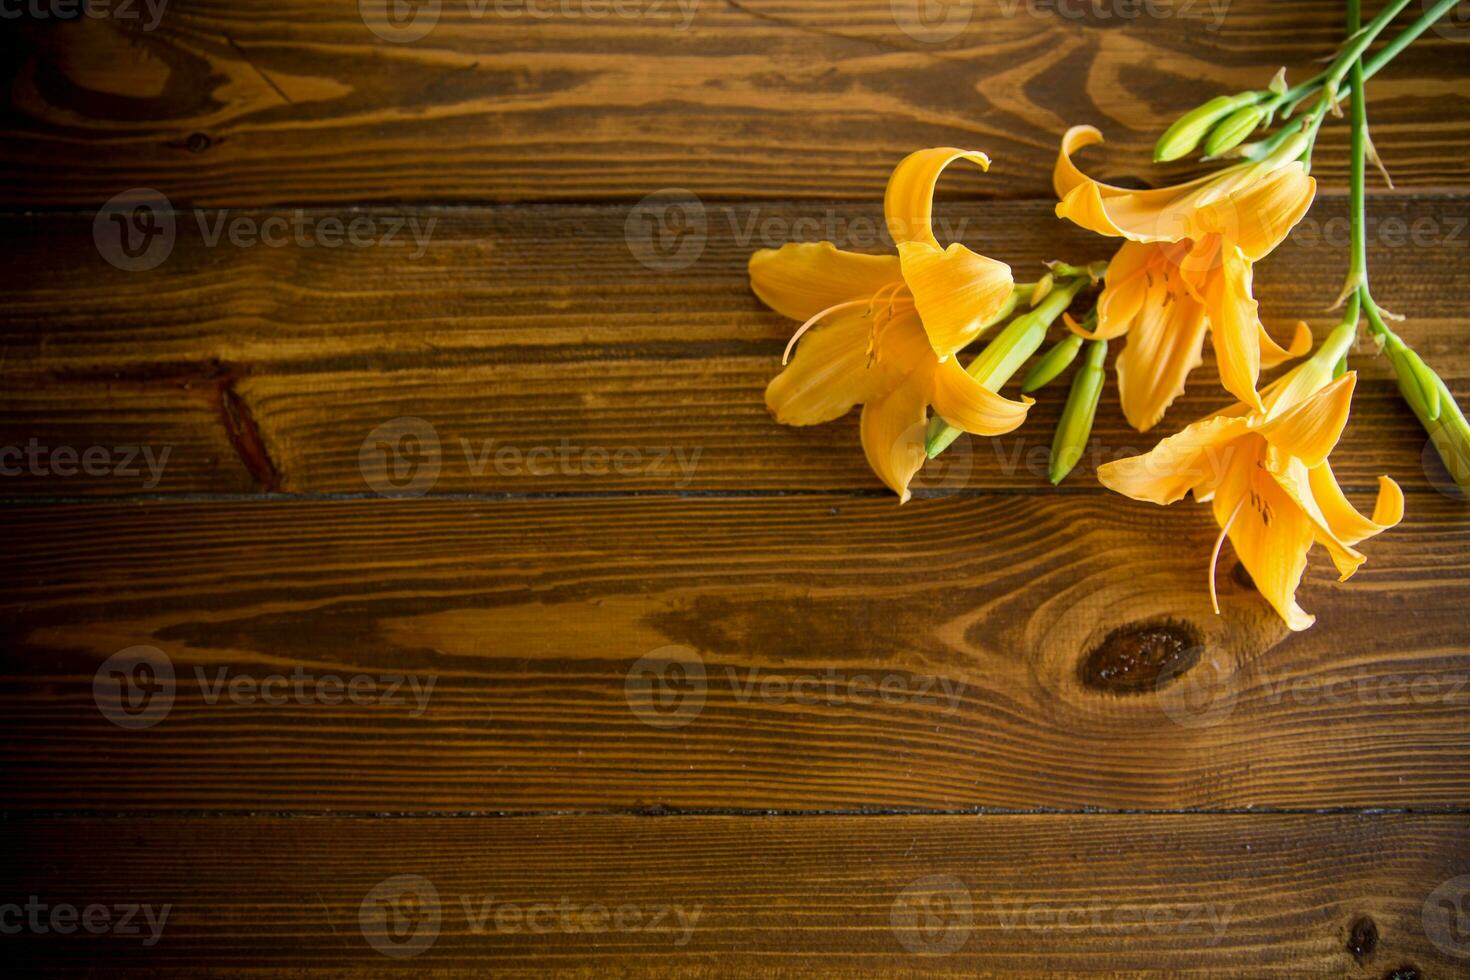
[[1004, 355]]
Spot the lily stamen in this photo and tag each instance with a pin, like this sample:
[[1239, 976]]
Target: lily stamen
[[1215, 555], [790, 344]]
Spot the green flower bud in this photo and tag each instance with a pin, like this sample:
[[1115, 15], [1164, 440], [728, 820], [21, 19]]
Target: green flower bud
[[1053, 363], [1004, 355], [1451, 437], [1234, 130], [1180, 139], [1075, 425], [1419, 385]]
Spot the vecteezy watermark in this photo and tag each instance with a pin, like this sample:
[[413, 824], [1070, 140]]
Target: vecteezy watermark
[[136, 688], [137, 229], [668, 687], [405, 21], [127, 462], [932, 21], [667, 230], [1446, 917], [1454, 25], [1391, 231], [933, 916], [1206, 693], [401, 458], [1211, 12], [145, 13], [946, 474], [401, 916], [1447, 475], [1207, 919], [404, 457], [63, 918]]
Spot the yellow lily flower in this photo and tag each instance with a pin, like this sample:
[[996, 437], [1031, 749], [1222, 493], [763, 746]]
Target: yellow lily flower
[[1266, 475], [1185, 269], [879, 330]]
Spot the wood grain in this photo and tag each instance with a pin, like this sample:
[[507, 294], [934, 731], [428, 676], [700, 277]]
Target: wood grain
[[1060, 895], [300, 102], [542, 331], [957, 634]]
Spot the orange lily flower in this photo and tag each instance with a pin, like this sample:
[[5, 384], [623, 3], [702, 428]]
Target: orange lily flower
[[1268, 480], [879, 330], [1186, 268]]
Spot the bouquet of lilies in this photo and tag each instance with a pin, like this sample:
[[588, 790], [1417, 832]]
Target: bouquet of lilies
[[887, 331]]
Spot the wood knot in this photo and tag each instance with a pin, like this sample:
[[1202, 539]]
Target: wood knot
[[1406, 972], [198, 142], [1362, 939], [1141, 657]]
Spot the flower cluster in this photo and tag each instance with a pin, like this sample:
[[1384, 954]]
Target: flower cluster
[[886, 331]]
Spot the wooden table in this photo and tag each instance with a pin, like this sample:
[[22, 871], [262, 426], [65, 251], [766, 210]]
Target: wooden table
[[447, 401]]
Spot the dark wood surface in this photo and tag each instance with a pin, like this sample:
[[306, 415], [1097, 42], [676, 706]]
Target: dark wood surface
[[981, 734], [717, 896]]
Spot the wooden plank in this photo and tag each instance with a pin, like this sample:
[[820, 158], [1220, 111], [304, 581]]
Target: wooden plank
[[996, 651], [541, 331], [300, 102], [1068, 896]]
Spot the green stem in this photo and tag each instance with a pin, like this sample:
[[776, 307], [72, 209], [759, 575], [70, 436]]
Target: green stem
[[1004, 355], [1357, 279]]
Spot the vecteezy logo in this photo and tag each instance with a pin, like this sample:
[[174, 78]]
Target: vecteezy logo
[[932, 21], [666, 231], [134, 231], [399, 21], [400, 916], [666, 688], [1446, 916], [933, 916], [1454, 25], [401, 458], [947, 473], [1448, 476], [1197, 693], [134, 688]]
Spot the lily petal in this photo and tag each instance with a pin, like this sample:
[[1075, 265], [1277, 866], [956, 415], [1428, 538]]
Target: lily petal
[[1343, 520], [828, 375], [956, 291], [800, 279], [1273, 353], [1309, 429], [1295, 479], [966, 404], [1195, 459], [1235, 327], [908, 202], [1270, 533], [893, 427], [1259, 217], [1117, 212], [1163, 347], [1124, 290]]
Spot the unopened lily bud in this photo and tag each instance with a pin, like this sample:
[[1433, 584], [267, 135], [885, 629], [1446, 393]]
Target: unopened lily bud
[[1052, 363], [1181, 139], [1075, 425], [1233, 130], [1004, 355], [1451, 437], [1419, 385]]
